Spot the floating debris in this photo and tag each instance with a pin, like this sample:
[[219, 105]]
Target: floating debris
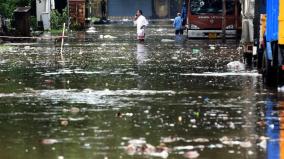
[[232, 125], [179, 119], [120, 115], [140, 147], [263, 142], [189, 147], [91, 30], [191, 154], [74, 110], [236, 66], [170, 139], [60, 157], [246, 144], [201, 140], [107, 37], [250, 152], [64, 121], [167, 40], [49, 141], [195, 51]]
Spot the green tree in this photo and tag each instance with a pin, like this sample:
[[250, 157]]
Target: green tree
[[8, 6], [57, 19]]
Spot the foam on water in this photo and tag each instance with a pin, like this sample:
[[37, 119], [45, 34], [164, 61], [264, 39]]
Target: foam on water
[[88, 96], [223, 74]]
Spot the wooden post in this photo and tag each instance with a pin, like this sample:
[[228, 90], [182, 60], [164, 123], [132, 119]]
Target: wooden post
[[62, 43], [224, 21]]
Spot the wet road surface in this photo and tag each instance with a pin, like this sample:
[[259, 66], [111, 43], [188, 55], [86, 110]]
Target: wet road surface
[[117, 98]]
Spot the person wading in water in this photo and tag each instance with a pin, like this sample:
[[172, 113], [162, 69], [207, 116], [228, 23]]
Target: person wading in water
[[140, 22]]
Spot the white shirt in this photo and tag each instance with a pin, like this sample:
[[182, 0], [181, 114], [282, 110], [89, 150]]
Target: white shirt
[[139, 22]]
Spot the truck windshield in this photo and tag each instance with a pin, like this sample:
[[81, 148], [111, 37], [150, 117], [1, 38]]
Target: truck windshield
[[211, 6]]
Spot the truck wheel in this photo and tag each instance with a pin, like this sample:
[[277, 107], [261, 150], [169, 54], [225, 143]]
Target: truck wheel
[[259, 60], [281, 65]]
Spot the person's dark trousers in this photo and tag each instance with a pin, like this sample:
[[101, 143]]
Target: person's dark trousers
[[179, 32]]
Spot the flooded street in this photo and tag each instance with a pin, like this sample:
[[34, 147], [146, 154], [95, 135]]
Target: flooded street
[[117, 98]]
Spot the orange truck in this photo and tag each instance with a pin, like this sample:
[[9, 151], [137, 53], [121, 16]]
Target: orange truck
[[204, 18]]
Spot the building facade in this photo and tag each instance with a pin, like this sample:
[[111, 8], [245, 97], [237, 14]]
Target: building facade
[[157, 9]]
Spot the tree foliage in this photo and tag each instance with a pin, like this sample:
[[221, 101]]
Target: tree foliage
[[8, 6], [57, 19]]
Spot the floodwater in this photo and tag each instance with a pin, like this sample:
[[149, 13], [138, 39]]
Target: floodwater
[[113, 97]]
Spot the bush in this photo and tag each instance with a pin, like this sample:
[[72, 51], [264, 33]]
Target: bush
[[57, 19]]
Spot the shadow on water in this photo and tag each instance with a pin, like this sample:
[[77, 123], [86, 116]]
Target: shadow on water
[[116, 98]]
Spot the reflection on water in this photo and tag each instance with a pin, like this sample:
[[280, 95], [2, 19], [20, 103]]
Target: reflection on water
[[117, 98], [141, 53], [274, 128]]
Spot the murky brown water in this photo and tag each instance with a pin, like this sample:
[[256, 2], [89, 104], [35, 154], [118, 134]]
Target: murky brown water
[[116, 98]]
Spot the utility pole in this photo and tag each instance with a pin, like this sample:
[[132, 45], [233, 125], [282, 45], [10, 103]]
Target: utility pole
[[224, 21]]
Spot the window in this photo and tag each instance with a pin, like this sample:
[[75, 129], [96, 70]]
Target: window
[[211, 6]]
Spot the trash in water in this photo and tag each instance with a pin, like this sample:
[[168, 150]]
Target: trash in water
[[74, 110], [236, 66], [91, 30], [76, 119], [250, 153], [64, 121], [211, 146], [160, 29], [193, 121], [136, 142], [120, 115], [174, 58], [200, 147], [179, 118], [27, 47], [212, 47], [107, 37], [60, 157], [227, 141], [195, 51], [191, 154], [232, 125], [262, 143], [167, 40], [189, 147], [170, 139], [201, 140], [49, 141], [246, 144], [231, 151], [140, 147]]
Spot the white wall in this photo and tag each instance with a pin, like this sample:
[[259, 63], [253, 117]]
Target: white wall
[[43, 10]]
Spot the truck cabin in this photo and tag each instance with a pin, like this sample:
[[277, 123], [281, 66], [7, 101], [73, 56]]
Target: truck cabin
[[205, 18]]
